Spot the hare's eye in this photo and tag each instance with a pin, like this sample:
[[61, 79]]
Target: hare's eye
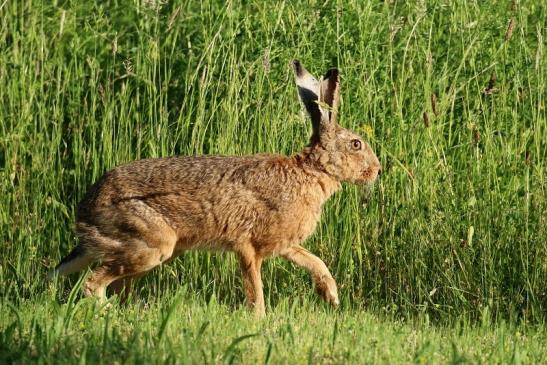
[[356, 144]]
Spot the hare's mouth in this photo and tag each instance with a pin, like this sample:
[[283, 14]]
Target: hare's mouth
[[369, 176]]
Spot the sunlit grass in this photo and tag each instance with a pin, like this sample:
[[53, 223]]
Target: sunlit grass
[[178, 330]]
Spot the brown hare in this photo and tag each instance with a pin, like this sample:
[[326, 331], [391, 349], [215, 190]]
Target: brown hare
[[144, 213]]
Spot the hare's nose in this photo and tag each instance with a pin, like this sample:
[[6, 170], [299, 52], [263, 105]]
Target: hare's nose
[[379, 170]]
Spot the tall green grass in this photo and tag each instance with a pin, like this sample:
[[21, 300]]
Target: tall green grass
[[453, 105]]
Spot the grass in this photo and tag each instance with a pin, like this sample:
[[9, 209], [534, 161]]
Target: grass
[[177, 330], [446, 250]]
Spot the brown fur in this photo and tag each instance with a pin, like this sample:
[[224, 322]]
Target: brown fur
[[144, 213]]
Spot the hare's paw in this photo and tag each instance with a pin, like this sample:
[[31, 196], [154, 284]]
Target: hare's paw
[[326, 287]]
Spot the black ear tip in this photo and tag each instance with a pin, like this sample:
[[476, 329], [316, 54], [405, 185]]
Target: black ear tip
[[333, 72], [298, 68]]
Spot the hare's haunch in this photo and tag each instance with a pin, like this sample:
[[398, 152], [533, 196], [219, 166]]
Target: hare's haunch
[[144, 213]]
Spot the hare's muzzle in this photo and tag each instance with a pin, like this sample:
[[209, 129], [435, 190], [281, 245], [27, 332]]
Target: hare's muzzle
[[373, 170]]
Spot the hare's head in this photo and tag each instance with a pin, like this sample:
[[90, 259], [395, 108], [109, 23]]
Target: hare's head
[[338, 151]]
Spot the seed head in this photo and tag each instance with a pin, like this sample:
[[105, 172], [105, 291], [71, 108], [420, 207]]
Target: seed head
[[509, 31], [426, 119], [434, 104]]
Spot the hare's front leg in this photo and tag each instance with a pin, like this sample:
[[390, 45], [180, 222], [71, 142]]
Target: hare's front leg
[[324, 282], [250, 264]]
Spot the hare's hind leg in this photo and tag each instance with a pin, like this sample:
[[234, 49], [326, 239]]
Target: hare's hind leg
[[137, 258], [324, 282], [143, 240], [124, 286]]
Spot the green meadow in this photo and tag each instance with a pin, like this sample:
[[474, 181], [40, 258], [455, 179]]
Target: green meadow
[[443, 260]]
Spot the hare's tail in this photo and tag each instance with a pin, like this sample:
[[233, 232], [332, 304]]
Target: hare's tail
[[76, 260]]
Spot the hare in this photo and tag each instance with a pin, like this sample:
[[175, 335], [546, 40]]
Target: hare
[[144, 213]]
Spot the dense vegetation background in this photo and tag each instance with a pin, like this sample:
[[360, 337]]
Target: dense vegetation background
[[451, 95]]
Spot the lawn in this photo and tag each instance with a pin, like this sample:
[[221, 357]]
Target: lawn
[[443, 260]]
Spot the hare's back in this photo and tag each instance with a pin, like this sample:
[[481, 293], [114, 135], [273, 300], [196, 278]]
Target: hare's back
[[165, 182]]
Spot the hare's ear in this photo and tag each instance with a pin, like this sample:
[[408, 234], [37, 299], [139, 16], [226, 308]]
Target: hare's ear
[[329, 95], [308, 90]]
